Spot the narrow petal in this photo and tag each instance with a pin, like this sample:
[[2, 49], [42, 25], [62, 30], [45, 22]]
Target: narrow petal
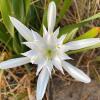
[[76, 73], [64, 56], [56, 33], [29, 54], [57, 63], [39, 68], [64, 48], [61, 39], [74, 45], [41, 64], [22, 29], [42, 83], [36, 36], [49, 66], [45, 33], [44, 63], [14, 62], [51, 16], [36, 46], [31, 45], [61, 53]]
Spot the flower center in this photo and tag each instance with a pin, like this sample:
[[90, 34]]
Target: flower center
[[49, 53]]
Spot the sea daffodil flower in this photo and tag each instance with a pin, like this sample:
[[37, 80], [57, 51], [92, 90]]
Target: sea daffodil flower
[[48, 52]]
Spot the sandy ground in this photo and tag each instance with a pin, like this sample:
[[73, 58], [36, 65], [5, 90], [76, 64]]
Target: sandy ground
[[76, 91]]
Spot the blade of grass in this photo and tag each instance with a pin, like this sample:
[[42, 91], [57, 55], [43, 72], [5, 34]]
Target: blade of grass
[[71, 35], [68, 28], [27, 5], [19, 10], [6, 39], [64, 9], [57, 2], [17, 44], [44, 19], [6, 12], [90, 34]]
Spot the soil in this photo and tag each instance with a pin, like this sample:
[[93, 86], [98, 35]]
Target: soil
[[76, 90]]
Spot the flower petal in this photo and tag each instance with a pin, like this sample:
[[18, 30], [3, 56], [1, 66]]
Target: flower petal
[[29, 54], [61, 39], [49, 66], [36, 46], [56, 33], [41, 64], [22, 29], [51, 16], [64, 56], [57, 63], [36, 36], [31, 45], [76, 73], [42, 83], [14, 62], [45, 33], [74, 45]]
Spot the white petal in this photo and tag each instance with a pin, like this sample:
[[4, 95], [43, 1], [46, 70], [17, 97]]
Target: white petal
[[36, 46], [31, 45], [42, 83], [56, 33], [14, 62], [49, 66], [51, 16], [41, 64], [76, 73], [22, 29], [45, 33], [64, 56], [37, 36], [64, 48], [57, 63], [29, 54], [74, 45], [44, 63], [61, 53], [61, 39], [39, 69]]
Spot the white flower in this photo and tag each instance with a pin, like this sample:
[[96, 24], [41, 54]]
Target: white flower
[[48, 52]]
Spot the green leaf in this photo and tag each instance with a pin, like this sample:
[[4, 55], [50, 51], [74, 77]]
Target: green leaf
[[6, 12], [19, 10], [71, 35], [27, 5], [57, 2], [90, 34], [63, 9], [36, 13], [44, 19], [17, 45], [6, 39], [68, 28]]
